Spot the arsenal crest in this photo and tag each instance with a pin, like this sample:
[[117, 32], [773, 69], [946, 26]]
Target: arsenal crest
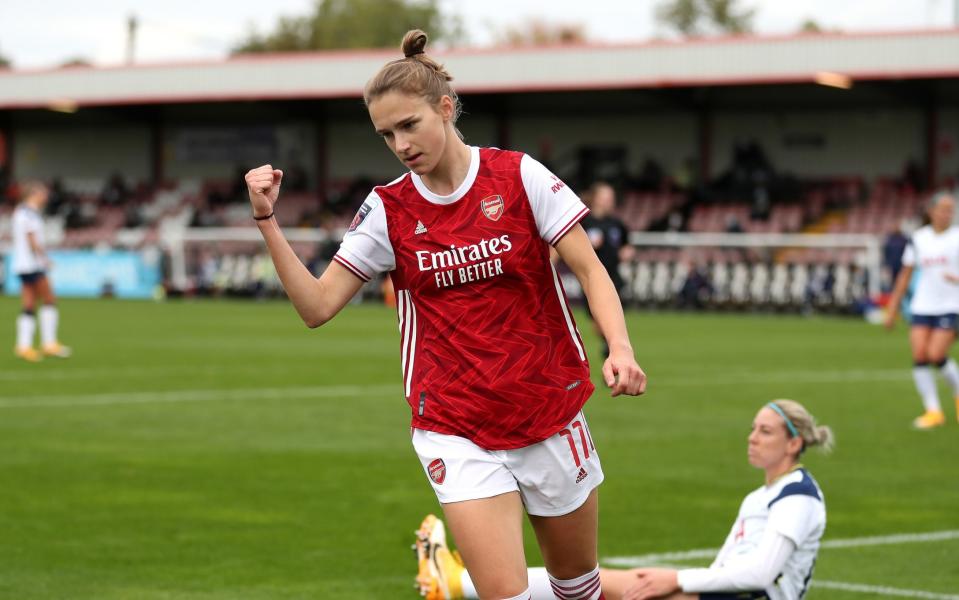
[[492, 207], [437, 470]]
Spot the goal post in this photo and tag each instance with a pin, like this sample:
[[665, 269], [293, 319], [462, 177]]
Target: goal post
[[761, 269], [182, 245]]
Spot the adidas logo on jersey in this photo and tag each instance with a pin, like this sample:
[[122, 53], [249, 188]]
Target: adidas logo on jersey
[[582, 475], [420, 228]]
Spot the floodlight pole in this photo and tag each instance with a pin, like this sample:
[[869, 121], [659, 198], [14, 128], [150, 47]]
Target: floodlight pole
[[131, 38]]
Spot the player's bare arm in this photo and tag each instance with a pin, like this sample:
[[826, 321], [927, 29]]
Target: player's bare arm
[[317, 300], [898, 291], [37, 248], [620, 371]]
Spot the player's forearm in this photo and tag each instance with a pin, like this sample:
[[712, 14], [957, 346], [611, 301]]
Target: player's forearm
[[36, 247], [747, 576], [899, 290], [300, 285], [756, 571], [607, 309]]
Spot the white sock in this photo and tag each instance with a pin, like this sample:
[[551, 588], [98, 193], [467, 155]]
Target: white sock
[[524, 595], [950, 371], [469, 590], [584, 587], [26, 328], [926, 386], [539, 586], [49, 317]]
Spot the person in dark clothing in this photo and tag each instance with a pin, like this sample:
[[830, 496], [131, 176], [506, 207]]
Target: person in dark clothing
[[607, 233], [892, 249], [696, 288], [605, 230]]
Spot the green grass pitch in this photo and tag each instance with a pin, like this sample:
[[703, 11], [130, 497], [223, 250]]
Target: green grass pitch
[[220, 450]]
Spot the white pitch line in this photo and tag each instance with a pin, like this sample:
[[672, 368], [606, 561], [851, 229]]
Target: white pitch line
[[881, 590], [857, 376], [118, 398], [901, 538], [113, 373], [656, 558]]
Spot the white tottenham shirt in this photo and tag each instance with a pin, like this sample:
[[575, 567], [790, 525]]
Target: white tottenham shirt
[[26, 220], [935, 255], [773, 544]]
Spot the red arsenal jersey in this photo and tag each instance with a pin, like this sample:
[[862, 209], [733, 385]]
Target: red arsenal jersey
[[490, 351]]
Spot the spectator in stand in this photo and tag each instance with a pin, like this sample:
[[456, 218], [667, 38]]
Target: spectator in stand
[[675, 221], [696, 289], [208, 212], [912, 176], [133, 214], [651, 176], [237, 192], [750, 176], [206, 276], [58, 197], [80, 213], [733, 225], [761, 201], [819, 289], [685, 178], [350, 200], [296, 174], [115, 192]]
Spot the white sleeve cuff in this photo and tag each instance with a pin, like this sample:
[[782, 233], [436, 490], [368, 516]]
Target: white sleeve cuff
[[573, 216], [353, 264]]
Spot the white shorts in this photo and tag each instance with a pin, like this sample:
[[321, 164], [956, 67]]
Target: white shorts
[[554, 477]]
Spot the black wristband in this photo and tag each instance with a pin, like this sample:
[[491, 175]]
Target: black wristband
[[269, 216]]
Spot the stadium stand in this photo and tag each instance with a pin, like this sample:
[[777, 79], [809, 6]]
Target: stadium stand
[[699, 138]]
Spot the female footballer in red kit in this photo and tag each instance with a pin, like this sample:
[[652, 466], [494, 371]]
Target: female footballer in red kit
[[494, 369]]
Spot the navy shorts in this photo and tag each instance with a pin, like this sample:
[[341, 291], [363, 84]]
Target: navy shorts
[[733, 596], [31, 278], [946, 321]]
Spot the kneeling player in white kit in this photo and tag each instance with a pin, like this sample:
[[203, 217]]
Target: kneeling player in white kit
[[934, 250], [769, 553]]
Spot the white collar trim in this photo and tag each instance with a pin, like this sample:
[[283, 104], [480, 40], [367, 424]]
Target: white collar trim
[[458, 192]]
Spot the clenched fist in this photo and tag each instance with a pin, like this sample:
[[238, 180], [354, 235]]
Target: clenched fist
[[263, 183]]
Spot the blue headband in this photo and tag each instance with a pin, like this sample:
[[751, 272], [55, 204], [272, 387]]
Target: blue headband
[[789, 424]]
